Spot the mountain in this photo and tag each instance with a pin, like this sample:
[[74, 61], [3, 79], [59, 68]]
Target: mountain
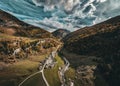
[[97, 45], [12, 26], [89, 40], [60, 33]]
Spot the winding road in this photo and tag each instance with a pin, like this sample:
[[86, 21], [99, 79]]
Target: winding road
[[42, 70], [63, 70]]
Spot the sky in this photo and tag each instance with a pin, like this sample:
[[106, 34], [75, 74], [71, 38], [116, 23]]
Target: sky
[[62, 14]]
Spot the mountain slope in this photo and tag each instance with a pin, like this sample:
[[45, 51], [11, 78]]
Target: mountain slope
[[90, 37], [12, 26], [17, 35], [102, 42]]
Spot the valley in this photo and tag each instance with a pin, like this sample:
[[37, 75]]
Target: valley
[[32, 56]]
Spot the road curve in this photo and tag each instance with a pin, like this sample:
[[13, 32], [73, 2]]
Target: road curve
[[28, 78], [42, 71]]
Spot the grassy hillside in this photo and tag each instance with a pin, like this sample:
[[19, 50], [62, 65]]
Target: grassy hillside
[[28, 39]]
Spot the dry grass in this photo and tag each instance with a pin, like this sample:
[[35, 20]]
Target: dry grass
[[10, 37]]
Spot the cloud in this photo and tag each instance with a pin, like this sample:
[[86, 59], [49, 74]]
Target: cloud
[[66, 14], [78, 13], [50, 5]]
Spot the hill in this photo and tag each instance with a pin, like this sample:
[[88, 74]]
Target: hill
[[13, 26], [15, 34], [101, 42], [96, 37], [60, 33]]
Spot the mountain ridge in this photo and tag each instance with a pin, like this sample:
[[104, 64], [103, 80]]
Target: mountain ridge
[[10, 23]]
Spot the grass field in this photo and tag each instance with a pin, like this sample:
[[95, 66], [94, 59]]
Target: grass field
[[36, 80], [52, 74], [15, 73]]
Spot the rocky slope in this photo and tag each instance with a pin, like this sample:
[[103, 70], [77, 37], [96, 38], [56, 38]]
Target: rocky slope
[[100, 41]]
